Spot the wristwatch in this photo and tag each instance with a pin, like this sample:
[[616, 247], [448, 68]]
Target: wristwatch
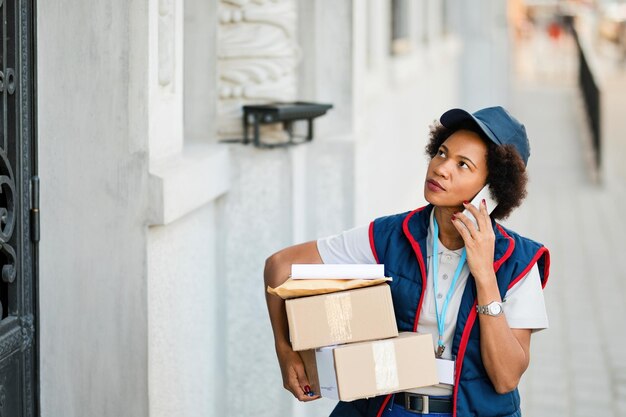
[[494, 308]]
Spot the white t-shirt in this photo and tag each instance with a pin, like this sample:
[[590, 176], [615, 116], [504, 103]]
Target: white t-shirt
[[524, 306]]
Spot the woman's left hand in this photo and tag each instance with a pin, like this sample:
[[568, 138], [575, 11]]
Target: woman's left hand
[[479, 242]]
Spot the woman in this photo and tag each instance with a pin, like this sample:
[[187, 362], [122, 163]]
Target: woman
[[477, 288]]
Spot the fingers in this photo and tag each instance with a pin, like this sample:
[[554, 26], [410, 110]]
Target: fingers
[[294, 375], [467, 228], [462, 225], [298, 384], [310, 395], [484, 213], [480, 213], [303, 381]]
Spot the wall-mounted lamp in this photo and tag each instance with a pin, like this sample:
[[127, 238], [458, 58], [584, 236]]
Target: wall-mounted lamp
[[285, 113]]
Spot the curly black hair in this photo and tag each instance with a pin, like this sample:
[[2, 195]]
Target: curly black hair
[[507, 176]]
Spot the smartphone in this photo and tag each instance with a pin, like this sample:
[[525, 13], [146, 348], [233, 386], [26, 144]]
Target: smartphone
[[484, 193]]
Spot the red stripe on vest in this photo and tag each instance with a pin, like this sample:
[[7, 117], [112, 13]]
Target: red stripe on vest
[[372, 245], [546, 268], [509, 250], [382, 407], [461, 354], [420, 260], [471, 319], [543, 250]]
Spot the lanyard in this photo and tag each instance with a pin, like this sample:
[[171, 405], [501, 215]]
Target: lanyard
[[441, 318]]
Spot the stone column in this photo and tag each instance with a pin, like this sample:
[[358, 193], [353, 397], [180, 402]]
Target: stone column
[[187, 175]]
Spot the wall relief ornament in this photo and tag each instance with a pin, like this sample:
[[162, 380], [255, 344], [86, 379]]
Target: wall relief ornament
[[257, 58]]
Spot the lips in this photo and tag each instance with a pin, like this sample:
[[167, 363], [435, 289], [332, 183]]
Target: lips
[[434, 186]]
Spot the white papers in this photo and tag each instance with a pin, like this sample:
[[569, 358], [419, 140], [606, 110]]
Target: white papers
[[337, 271], [445, 371], [326, 373]]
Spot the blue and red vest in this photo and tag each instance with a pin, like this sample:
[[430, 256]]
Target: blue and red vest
[[399, 242]]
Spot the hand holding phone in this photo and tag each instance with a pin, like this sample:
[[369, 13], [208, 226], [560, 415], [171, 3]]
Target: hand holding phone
[[484, 193]]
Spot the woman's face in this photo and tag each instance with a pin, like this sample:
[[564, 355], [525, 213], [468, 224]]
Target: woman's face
[[458, 171]]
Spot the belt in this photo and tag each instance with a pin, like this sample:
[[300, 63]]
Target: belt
[[417, 403]]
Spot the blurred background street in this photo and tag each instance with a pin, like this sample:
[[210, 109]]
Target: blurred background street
[[577, 366]]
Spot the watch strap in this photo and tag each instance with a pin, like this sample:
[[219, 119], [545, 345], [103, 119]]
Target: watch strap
[[485, 309]]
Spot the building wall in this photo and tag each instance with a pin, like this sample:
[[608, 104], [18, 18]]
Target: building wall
[[189, 173], [484, 69], [184, 319], [397, 98], [94, 169]]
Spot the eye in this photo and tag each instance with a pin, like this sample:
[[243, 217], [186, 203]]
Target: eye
[[441, 153], [463, 165]]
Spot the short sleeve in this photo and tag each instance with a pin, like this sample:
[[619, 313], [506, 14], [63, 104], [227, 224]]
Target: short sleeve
[[349, 247], [524, 304]]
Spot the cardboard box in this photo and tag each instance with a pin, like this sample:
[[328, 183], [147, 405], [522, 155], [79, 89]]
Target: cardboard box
[[341, 317], [366, 369]]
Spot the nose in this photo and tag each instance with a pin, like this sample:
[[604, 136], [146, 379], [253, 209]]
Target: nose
[[442, 169]]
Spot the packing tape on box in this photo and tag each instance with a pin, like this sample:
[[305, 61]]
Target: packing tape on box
[[339, 316], [385, 366]]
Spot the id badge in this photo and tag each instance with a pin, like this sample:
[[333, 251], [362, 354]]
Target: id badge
[[445, 370]]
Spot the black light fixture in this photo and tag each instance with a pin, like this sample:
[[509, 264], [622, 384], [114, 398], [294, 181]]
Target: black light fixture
[[285, 113]]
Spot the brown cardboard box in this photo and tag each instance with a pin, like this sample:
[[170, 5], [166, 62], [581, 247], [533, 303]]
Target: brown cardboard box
[[366, 369], [341, 317]]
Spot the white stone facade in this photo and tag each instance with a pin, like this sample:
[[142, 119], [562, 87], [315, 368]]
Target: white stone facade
[[154, 234]]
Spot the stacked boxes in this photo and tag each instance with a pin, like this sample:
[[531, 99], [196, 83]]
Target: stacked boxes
[[350, 345], [341, 317]]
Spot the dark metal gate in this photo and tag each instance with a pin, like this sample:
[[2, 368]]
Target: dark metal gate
[[19, 214]]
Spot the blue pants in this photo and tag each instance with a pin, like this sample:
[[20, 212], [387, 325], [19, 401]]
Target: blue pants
[[362, 408], [396, 410]]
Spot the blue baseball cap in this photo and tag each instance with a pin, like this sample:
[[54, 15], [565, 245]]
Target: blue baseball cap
[[497, 125]]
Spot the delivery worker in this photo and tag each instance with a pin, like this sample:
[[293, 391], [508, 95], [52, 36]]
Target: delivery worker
[[476, 286]]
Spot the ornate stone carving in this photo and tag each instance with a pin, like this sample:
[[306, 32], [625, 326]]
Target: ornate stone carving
[[257, 57]]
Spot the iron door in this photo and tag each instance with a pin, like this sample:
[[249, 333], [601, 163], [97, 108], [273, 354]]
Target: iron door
[[18, 213]]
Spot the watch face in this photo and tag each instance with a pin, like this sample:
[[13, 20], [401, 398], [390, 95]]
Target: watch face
[[495, 309]]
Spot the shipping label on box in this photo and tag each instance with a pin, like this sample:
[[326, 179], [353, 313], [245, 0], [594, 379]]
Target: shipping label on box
[[366, 369], [326, 375], [341, 317]]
